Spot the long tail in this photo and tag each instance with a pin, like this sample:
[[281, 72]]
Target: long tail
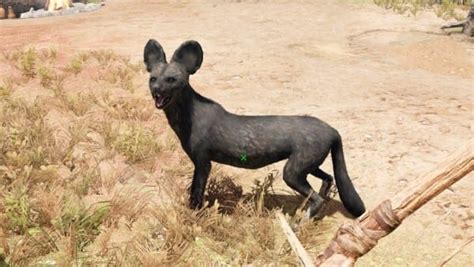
[[351, 200]]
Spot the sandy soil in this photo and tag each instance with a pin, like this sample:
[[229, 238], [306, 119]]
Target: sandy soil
[[399, 92]]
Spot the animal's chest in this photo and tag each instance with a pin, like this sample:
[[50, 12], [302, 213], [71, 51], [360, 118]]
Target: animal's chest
[[193, 136]]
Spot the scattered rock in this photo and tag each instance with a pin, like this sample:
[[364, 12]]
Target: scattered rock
[[426, 121], [64, 172], [88, 153], [368, 138], [112, 169], [444, 129], [76, 8], [96, 138]]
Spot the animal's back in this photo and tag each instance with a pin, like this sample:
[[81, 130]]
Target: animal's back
[[256, 141]]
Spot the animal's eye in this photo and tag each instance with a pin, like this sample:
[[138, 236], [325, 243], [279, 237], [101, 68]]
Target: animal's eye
[[152, 79], [170, 80]]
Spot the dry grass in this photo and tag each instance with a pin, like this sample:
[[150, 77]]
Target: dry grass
[[447, 9], [94, 178]]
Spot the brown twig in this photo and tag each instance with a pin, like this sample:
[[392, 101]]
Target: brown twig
[[294, 242], [447, 259]]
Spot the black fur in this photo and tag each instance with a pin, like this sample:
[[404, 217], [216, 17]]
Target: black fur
[[208, 132]]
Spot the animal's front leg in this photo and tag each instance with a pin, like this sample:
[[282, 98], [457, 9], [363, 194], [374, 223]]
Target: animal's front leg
[[198, 186]]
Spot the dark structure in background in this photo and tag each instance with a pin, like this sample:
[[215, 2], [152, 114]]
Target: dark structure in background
[[22, 6], [467, 24]]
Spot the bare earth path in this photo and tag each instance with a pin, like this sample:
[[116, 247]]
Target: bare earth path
[[399, 93]]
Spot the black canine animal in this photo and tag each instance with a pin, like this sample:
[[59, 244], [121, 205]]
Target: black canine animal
[[208, 132]]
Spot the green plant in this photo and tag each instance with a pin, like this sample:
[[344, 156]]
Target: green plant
[[80, 222], [5, 90], [28, 139], [27, 62], [17, 210], [75, 66], [136, 143], [46, 76], [57, 85]]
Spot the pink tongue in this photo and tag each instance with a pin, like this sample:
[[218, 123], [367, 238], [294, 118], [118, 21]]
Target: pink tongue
[[160, 101]]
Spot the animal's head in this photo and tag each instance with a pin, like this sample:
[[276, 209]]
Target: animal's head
[[168, 80]]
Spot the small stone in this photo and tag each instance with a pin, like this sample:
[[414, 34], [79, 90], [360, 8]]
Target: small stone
[[426, 121], [96, 137], [444, 129], [64, 172]]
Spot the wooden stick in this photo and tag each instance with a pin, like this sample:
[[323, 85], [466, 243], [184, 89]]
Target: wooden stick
[[447, 259], [295, 244], [357, 238], [454, 168]]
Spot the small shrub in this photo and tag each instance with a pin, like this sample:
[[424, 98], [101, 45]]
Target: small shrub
[[75, 66], [28, 141], [17, 210], [27, 63], [80, 103], [262, 189], [80, 222], [84, 181], [33, 244], [128, 203], [446, 10], [12, 56], [5, 90], [104, 57], [225, 192], [136, 143], [57, 85], [128, 108], [49, 53], [46, 76]]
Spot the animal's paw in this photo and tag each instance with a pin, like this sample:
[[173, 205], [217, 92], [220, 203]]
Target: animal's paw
[[316, 209], [195, 203], [325, 189]]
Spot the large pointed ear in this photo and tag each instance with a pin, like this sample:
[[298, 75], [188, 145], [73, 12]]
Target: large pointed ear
[[189, 54], [153, 54]]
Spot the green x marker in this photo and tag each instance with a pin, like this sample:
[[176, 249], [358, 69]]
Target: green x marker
[[243, 158]]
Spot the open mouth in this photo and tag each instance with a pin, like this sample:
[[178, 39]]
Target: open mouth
[[161, 101]]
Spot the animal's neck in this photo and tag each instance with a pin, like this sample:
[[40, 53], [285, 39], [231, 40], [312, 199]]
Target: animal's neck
[[179, 113]]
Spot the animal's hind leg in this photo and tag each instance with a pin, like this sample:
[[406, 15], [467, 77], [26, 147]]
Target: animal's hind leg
[[294, 175], [328, 181]]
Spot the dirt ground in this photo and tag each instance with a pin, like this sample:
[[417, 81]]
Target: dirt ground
[[399, 92]]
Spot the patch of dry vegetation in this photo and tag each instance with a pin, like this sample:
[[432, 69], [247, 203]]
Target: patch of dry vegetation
[[91, 177], [446, 9]]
